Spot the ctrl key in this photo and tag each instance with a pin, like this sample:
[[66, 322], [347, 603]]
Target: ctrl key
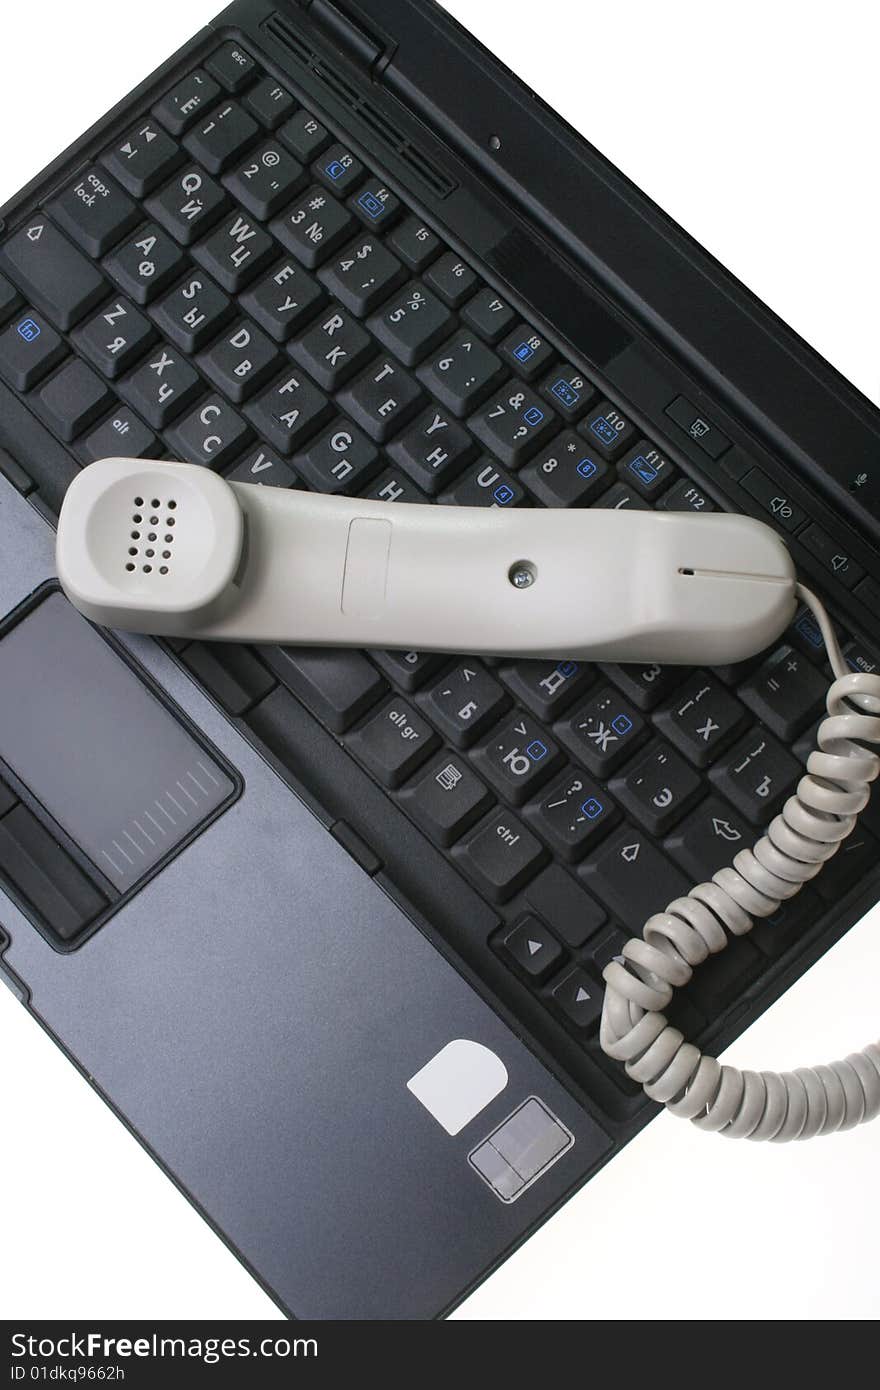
[[502, 856], [45, 877]]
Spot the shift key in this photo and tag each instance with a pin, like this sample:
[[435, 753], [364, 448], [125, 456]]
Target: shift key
[[51, 272]]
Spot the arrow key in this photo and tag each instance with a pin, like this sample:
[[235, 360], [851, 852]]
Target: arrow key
[[580, 999], [533, 948]]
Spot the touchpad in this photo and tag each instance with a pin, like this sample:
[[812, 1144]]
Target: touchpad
[[92, 749]]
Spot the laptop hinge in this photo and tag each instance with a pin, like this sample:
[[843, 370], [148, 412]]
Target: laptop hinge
[[352, 31]]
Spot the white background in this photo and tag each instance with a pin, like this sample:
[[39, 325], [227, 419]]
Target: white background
[[754, 125]]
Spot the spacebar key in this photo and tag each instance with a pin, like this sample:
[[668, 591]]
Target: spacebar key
[[51, 272], [338, 686]]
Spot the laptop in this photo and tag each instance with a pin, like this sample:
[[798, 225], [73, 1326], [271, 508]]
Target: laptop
[[326, 928]]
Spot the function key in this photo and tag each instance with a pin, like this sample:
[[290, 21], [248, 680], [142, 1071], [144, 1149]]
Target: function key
[[284, 301], [757, 775], [685, 496], [566, 474], [394, 742], [547, 687], [112, 340], [534, 949], [774, 500], [413, 322], [462, 372], [574, 814], [315, 227], [305, 136], [488, 315], [603, 732], [51, 272], [787, 693], [236, 252], [415, 244], [95, 211], [29, 348], [182, 106], [212, 434], [143, 159], [376, 205], [339, 170], [608, 430], [647, 470], [465, 701], [446, 799], [658, 788], [568, 392], [221, 137], [832, 556], [233, 68], [193, 313], [702, 719], [485, 484], [501, 856], [514, 423], [269, 102], [452, 279], [146, 263], [266, 180], [73, 399], [363, 275], [189, 204], [123, 434], [518, 758], [527, 352], [579, 997], [9, 298]]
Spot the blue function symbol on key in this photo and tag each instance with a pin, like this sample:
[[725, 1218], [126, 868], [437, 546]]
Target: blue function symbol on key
[[335, 169], [592, 809], [567, 669], [371, 205], [603, 429], [586, 468], [565, 392], [621, 724], [533, 416], [523, 352], [503, 494], [643, 469], [29, 330], [536, 750]]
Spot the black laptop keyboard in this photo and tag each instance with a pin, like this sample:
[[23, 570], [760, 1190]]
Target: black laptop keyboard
[[228, 284]]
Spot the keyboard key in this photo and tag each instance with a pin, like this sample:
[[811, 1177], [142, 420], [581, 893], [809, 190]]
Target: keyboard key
[[362, 275], [645, 685], [446, 799], [854, 861], [123, 435], [338, 170], [647, 470], [632, 878], [394, 742], [757, 775], [7, 800], [488, 315], [608, 430], [9, 298], [51, 273], [230, 673], [465, 701], [568, 392], [527, 352], [620, 497], [566, 473], [193, 313], [189, 205], [707, 435], [685, 496], [547, 687], [269, 102], [603, 731], [514, 423], [533, 948], [832, 556], [236, 252], [580, 999], [774, 500], [392, 486], [289, 412], [573, 815], [163, 386], [501, 856], [861, 658], [433, 450], [383, 399], [146, 263], [284, 301], [212, 434], [658, 788], [240, 361], [517, 759], [305, 136], [564, 906], [94, 211], [375, 205], [221, 137], [415, 244], [702, 719], [342, 459], [787, 693], [262, 467], [315, 227], [452, 280], [412, 323], [777, 934], [484, 484], [266, 180], [181, 107], [143, 159], [45, 876], [29, 349], [409, 670], [461, 373], [73, 399], [709, 839], [115, 338], [334, 349], [608, 946], [233, 67], [337, 686]]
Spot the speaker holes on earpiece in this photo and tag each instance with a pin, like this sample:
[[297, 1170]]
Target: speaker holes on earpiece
[[148, 569], [129, 567], [171, 505], [169, 521], [139, 501], [163, 569], [137, 518], [166, 554], [168, 540], [132, 550]]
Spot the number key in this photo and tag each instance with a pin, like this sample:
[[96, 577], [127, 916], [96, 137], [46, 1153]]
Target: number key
[[362, 275], [567, 473], [412, 323], [462, 372], [266, 180], [514, 423]]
